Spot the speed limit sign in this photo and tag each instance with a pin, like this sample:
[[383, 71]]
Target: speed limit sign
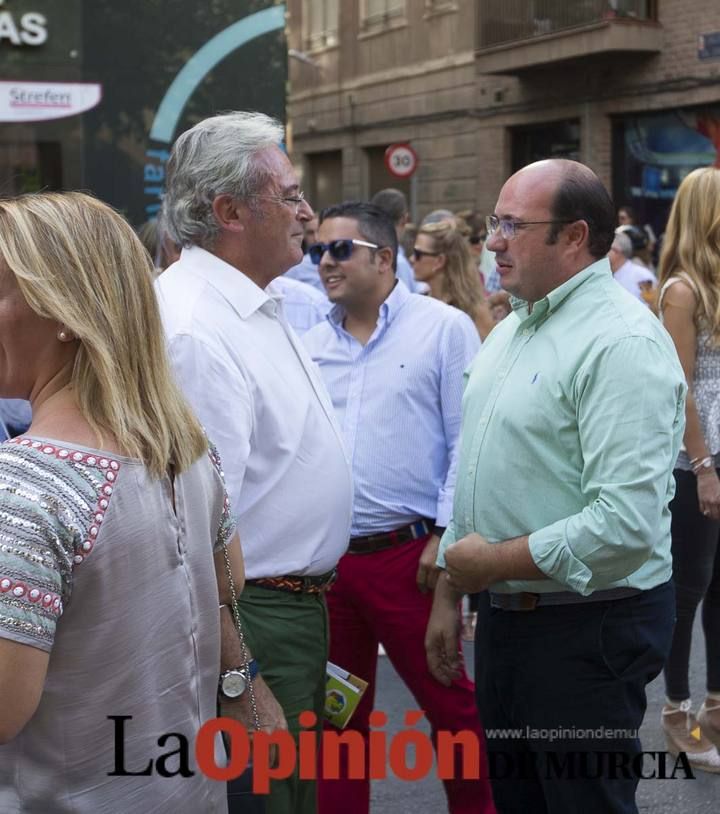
[[401, 160]]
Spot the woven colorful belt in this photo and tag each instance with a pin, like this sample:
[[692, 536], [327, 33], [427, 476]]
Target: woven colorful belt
[[297, 585]]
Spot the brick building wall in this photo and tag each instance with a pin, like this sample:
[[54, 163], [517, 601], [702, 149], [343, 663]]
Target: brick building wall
[[419, 78]]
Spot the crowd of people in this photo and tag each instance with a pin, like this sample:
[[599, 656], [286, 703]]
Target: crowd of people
[[263, 438]]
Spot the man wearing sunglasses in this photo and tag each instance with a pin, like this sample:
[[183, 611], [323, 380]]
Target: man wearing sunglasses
[[573, 416], [393, 363], [234, 204]]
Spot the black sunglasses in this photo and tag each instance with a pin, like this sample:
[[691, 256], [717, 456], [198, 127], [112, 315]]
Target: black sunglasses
[[339, 249], [475, 240], [418, 254]]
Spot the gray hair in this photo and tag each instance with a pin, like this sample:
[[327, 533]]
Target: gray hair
[[623, 244], [216, 157], [437, 216]]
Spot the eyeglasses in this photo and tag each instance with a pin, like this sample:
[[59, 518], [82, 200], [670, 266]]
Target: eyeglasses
[[509, 228], [289, 200], [476, 240], [418, 254], [339, 249]]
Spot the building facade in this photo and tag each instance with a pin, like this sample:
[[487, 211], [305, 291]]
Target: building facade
[[481, 87], [93, 92]]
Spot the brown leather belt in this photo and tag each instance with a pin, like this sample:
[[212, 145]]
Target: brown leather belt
[[297, 585], [528, 601], [387, 539]]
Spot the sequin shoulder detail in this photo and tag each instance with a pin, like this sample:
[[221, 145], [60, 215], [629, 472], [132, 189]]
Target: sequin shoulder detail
[[53, 502]]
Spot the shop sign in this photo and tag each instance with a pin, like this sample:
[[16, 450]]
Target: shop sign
[[29, 28], [38, 101]]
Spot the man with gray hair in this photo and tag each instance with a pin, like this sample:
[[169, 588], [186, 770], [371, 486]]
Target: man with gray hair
[[633, 277], [233, 203]]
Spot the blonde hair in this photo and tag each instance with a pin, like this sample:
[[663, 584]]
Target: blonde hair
[[461, 284], [79, 263], [692, 243]]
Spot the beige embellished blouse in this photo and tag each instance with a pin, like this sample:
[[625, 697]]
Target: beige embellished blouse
[[99, 568]]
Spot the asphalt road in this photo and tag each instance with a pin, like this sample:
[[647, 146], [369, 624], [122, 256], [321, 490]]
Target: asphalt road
[[679, 796]]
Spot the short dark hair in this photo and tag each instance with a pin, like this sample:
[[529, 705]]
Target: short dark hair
[[581, 195], [391, 201], [373, 223]]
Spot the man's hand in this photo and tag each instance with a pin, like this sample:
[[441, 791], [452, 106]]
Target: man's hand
[[443, 634], [270, 713], [469, 564], [428, 572]]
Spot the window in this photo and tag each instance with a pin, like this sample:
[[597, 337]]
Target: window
[[379, 12], [433, 7], [320, 23]]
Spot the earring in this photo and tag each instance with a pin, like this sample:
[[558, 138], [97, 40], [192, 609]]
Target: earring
[[62, 336]]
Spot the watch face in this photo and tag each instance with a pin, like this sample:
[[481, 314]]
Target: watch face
[[233, 684]]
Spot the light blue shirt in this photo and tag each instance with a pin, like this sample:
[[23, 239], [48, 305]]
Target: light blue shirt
[[398, 401], [572, 420], [303, 305], [306, 272], [405, 271]]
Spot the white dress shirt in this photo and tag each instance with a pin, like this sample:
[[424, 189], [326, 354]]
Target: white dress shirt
[[630, 275], [264, 405], [398, 399]]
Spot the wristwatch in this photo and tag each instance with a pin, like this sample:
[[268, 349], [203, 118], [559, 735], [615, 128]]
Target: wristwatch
[[233, 683]]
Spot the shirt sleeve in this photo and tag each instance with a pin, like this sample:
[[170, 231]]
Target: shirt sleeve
[[446, 541], [630, 415], [36, 552], [221, 400], [459, 347]]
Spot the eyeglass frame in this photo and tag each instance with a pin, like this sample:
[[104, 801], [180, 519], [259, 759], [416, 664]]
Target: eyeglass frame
[[290, 200], [420, 253], [514, 224], [326, 247]]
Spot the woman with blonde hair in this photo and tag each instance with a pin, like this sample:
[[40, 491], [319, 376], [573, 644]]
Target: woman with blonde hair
[[117, 539], [689, 304], [442, 259]]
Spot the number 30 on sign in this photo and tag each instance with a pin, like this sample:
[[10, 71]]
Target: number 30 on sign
[[401, 160]]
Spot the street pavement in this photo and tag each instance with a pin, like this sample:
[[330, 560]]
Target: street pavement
[[679, 796]]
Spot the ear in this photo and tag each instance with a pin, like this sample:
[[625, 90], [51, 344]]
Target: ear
[[439, 262], [384, 259], [577, 234], [229, 213]]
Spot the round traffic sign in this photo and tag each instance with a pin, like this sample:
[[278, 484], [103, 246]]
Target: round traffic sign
[[401, 160]]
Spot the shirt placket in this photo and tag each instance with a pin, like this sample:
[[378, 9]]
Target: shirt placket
[[522, 337], [359, 354]]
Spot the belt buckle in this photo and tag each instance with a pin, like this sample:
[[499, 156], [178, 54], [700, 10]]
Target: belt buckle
[[527, 601], [307, 584]]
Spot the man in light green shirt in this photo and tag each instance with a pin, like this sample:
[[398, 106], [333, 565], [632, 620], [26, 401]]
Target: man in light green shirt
[[573, 416]]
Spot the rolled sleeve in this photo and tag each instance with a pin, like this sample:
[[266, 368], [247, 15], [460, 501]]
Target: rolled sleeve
[[630, 412], [446, 541]]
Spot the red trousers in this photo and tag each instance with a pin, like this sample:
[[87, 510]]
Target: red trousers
[[376, 600]]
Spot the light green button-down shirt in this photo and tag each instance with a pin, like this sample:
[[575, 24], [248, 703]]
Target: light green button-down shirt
[[573, 416]]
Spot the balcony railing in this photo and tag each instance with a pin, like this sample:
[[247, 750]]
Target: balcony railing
[[506, 21]]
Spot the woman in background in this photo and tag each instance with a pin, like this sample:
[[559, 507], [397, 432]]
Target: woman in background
[[442, 259], [689, 305]]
